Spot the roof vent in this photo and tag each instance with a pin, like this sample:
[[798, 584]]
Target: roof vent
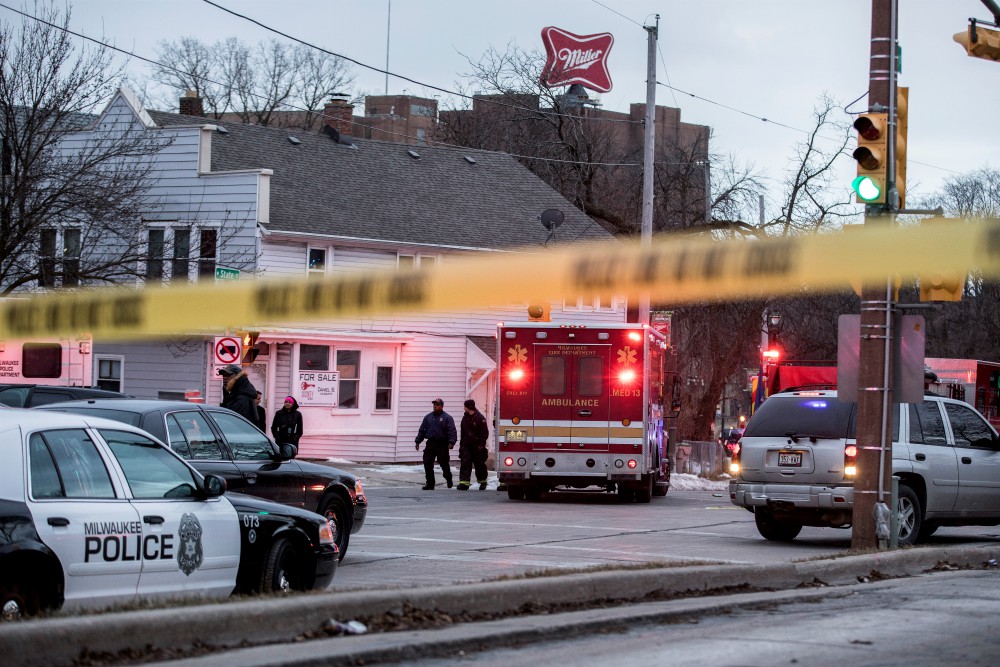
[[294, 140], [221, 130], [470, 159], [413, 154]]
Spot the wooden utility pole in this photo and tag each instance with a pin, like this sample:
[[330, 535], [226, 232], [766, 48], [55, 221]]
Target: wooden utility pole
[[872, 485]]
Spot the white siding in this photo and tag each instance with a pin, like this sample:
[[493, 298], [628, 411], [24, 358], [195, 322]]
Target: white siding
[[282, 259]]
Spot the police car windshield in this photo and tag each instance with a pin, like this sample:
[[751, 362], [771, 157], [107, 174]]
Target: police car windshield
[[816, 416]]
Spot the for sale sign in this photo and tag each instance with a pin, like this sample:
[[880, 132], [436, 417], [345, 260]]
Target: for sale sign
[[579, 59], [318, 387]]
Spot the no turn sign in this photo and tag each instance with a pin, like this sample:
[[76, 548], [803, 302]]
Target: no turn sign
[[227, 350]]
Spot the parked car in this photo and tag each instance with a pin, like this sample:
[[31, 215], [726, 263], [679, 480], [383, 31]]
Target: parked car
[[31, 395], [96, 512], [797, 458], [220, 442]]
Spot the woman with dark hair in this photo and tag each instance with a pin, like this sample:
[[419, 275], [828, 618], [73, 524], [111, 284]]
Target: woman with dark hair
[[286, 427]]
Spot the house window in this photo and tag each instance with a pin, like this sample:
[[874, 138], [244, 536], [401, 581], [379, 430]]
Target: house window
[[109, 372], [207, 253], [349, 365], [47, 261], [406, 262], [314, 358], [383, 387], [317, 262], [71, 257], [182, 254], [154, 255], [50, 254]]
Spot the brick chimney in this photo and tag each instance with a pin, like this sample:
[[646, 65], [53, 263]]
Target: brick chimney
[[191, 104], [338, 114]]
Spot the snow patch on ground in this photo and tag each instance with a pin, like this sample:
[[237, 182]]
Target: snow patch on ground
[[678, 481]]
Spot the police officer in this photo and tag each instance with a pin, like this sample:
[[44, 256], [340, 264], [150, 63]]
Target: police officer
[[438, 428], [472, 447]]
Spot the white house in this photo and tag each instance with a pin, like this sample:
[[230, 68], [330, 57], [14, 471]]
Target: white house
[[274, 202]]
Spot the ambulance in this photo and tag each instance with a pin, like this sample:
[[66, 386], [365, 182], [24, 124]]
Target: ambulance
[[584, 406], [66, 362]]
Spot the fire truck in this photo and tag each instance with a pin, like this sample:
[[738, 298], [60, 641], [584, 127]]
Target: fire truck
[[582, 406]]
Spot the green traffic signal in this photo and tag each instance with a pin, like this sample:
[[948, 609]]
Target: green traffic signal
[[867, 188]]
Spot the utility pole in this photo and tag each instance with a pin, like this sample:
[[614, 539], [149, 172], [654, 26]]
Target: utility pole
[[646, 236], [872, 487]]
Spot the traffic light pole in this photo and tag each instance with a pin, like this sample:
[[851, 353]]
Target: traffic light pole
[[872, 488]]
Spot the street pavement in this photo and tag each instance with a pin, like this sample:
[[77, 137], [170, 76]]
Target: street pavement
[[277, 628]]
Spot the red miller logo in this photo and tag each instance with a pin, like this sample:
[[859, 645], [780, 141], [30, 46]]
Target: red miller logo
[[579, 59]]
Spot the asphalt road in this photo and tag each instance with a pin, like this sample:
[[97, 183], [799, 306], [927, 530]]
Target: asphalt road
[[416, 538]]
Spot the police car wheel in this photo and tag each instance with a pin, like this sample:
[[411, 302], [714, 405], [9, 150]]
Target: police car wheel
[[16, 603], [335, 509], [282, 569]]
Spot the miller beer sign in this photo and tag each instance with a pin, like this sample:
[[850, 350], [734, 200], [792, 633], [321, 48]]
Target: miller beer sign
[[579, 59]]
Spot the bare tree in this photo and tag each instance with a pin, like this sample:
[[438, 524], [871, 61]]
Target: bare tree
[[68, 212], [253, 82]]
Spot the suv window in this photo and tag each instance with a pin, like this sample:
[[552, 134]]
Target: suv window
[[821, 416], [926, 424], [969, 428], [46, 396], [15, 397]]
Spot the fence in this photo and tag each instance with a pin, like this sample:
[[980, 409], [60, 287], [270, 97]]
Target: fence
[[706, 459]]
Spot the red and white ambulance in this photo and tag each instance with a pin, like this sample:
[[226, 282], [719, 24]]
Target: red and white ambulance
[[582, 406]]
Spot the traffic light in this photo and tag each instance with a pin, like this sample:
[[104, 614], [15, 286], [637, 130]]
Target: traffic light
[[902, 106], [871, 154], [938, 286], [539, 313], [980, 42], [250, 350]]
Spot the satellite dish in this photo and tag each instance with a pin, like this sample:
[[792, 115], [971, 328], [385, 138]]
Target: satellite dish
[[551, 218]]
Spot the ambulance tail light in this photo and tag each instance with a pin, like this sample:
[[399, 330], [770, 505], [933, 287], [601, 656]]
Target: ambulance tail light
[[850, 460], [509, 461], [632, 463]]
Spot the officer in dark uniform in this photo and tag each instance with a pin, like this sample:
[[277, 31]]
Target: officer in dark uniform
[[472, 447], [438, 428]]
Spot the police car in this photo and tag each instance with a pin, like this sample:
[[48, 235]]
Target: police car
[[95, 512]]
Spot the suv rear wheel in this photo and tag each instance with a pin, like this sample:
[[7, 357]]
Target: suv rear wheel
[[772, 529], [909, 516]]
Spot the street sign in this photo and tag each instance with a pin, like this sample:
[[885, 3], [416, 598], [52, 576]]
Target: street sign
[[228, 350], [223, 273]]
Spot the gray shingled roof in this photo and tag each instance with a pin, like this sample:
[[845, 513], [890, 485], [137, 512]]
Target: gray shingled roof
[[376, 190]]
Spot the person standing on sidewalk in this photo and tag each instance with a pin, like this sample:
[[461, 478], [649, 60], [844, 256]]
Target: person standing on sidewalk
[[472, 447], [438, 428]]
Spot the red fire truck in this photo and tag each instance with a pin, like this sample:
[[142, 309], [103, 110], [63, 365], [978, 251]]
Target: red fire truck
[[584, 405]]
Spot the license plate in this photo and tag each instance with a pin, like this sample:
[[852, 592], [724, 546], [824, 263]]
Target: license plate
[[789, 458], [515, 435]]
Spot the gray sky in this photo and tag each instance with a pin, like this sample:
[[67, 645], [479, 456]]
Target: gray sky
[[763, 58]]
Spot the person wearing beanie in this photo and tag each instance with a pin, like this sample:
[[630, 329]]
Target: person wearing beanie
[[238, 393], [438, 428], [472, 449], [286, 427]]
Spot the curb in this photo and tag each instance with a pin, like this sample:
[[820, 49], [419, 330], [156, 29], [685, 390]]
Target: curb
[[59, 641]]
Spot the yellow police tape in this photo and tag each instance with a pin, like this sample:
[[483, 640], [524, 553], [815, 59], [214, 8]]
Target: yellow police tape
[[674, 270]]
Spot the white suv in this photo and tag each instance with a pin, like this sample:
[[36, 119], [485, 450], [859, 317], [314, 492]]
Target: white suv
[[795, 465]]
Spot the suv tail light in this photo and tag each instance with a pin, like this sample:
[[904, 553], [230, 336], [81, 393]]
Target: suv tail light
[[734, 463], [850, 460]]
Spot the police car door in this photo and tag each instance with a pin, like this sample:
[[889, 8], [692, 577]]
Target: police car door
[[80, 512], [189, 545]]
